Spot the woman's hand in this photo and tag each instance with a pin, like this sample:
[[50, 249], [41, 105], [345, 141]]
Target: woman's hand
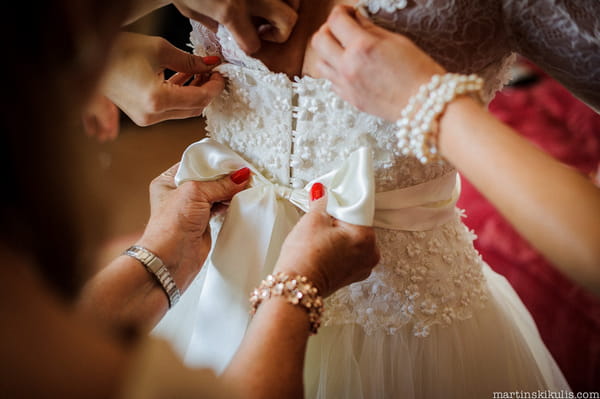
[[374, 69], [178, 230], [329, 252], [135, 81], [275, 18], [124, 294]]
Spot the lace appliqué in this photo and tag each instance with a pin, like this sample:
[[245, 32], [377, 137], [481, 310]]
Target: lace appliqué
[[424, 279], [203, 40], [374, 6]]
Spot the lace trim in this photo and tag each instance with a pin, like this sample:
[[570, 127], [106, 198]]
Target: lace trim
[[203, 40]]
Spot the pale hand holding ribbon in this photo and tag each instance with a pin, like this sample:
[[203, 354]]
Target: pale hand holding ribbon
[[260, 217]]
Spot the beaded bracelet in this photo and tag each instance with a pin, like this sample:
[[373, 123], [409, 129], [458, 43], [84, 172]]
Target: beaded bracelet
[[418, 126], [296, 290]]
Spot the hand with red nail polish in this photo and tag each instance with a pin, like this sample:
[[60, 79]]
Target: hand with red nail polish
[[135, 81], [240, 176], [327, 251], [211, 60], [316, 191], [178, 228]]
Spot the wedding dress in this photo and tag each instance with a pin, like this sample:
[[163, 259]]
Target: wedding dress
[[432, 320]]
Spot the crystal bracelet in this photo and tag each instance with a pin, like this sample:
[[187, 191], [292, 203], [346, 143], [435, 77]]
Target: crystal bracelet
[[296, 290], [418, 128]]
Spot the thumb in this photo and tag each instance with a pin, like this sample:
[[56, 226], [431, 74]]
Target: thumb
[[177, 60], [224, 188], [318, 198]]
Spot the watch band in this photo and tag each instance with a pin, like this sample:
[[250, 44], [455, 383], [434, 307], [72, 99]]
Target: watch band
[[156, 266]]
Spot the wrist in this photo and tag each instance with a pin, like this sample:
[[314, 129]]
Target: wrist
[[452, 124], [309, 271], [297, 290], [155, 266]]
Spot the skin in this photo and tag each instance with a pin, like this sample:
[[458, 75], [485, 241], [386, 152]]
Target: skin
[[84, 338], [532, 190], [136, 83], [238, 16]]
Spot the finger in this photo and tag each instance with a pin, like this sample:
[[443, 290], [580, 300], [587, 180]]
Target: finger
[[167, 178], [280, 15], [171, 171], [180, 78], [175, 97], [172, 58], [326, 71], [318, 198], [362, 17], [343, 25], [174, 114], [198, 80], [327, 46], [224, 188], [243, 32]]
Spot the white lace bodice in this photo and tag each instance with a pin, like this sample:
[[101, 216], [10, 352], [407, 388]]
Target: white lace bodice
[[294, 131]]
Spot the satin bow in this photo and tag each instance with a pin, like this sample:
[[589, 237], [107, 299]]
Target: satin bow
[[258, 220], [209, 322]]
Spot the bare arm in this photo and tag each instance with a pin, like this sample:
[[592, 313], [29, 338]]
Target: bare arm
[[552, 205], [331, 254]]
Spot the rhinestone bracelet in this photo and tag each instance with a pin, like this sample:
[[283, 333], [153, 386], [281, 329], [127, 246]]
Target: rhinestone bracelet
[[418, 128], [296, 290]]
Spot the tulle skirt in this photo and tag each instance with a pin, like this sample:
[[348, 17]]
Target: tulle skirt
[[497, 350]]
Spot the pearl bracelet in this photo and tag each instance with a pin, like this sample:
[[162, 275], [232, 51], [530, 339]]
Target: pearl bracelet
[[296, 290], [418, 126]]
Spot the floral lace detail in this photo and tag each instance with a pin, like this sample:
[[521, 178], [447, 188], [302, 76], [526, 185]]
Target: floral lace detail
[[254, 118], [424, 279], [203, 40], [295, 131]]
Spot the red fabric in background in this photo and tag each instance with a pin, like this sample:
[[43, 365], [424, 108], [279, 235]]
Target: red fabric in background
[[567, 316]]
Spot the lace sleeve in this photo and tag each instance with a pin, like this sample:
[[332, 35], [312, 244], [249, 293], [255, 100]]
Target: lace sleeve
[[562, 37]]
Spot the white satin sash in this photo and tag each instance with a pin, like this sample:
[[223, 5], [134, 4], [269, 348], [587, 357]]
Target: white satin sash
[[260, 217]]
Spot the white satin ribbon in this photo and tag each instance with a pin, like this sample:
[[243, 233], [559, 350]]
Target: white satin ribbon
[[258, 220], [260, 217], [420, 207]]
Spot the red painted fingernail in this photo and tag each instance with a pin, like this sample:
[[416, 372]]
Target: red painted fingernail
[[316, 191], [240, 176], [211, 60]]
